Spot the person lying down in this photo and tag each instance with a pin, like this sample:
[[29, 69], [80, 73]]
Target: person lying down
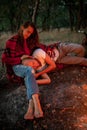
[[41, 64]]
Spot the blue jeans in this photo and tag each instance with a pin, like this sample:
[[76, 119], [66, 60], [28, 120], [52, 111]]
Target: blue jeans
[[29, 79]]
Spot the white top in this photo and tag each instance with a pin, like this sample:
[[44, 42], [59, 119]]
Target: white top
[[40, 55]]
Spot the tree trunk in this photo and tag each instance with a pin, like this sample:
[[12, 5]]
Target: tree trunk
[[80, 14], [71, 16], [35, 11]]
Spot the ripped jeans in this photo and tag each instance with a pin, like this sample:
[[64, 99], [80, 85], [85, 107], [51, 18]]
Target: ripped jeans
[[29, 79]]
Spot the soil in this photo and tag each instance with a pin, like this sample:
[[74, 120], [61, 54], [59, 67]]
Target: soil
[[64, 102]]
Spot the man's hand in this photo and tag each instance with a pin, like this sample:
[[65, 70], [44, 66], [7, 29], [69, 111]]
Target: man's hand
[[37, 75]]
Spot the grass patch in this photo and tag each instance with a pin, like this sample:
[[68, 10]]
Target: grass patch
[[62, 35]]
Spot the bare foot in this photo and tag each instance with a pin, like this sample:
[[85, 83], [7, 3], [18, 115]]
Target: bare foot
[[38, 114], [29, 115]]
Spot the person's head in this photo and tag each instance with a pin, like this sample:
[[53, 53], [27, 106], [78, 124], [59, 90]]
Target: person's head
[[33, 62], [29, 32]]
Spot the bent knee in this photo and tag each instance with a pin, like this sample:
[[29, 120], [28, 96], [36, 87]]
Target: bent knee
[[28, 70]]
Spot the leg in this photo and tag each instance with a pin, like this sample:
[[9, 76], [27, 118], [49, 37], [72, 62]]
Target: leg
[[72, 48], [32, 87], [34, 108], [30, 112], [73, 60], [38, 110], [30, 82]]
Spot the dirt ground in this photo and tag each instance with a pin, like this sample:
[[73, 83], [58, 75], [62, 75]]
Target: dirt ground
[[64, 102]]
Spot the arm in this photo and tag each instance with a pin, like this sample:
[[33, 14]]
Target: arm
[[51, 66], [44, 77], [44, 80], [11, 55]]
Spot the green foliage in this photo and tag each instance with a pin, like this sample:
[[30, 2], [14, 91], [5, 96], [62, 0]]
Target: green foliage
[[50, 14]]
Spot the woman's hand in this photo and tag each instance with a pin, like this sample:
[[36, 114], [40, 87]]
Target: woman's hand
[[25, 56]]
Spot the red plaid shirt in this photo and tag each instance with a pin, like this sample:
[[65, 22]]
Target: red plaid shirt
[[12, 55]]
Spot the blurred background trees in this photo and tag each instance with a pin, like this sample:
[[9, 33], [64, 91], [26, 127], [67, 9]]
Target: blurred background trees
[[46, 14]]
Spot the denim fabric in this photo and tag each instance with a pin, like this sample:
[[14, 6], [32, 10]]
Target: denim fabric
[[30, 81]]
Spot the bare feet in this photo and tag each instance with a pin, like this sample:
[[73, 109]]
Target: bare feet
[[29, 115], [30, 112], [38, 113]]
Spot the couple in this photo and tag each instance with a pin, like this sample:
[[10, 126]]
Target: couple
[[22, 44]]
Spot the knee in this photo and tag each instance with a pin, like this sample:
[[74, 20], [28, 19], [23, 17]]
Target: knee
[[28, 71]]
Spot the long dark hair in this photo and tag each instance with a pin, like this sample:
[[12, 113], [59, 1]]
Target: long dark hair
[[33, 40]]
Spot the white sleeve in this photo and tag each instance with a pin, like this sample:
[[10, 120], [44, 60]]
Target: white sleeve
[[39, 53]]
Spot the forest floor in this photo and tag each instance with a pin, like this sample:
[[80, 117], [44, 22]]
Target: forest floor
[[64, 102]]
